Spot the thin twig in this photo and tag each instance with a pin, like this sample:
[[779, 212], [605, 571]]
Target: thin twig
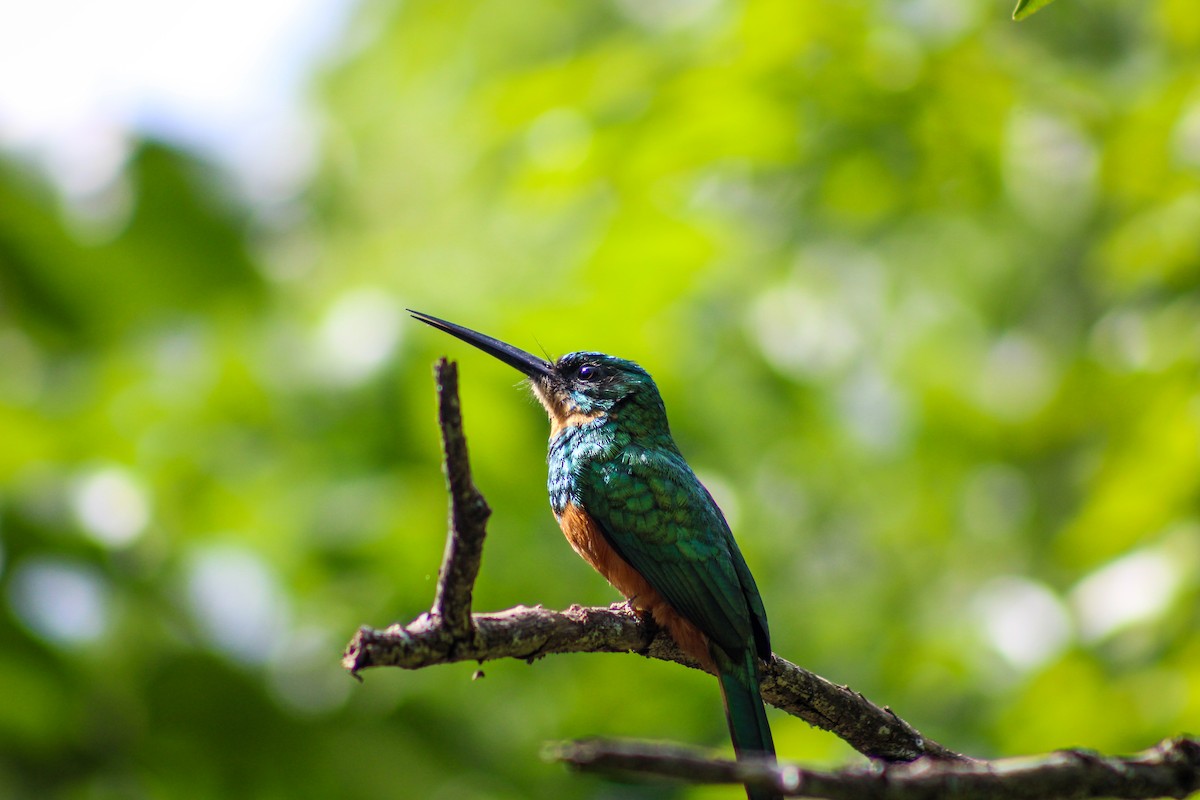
[[1169, 769], [469, 513]]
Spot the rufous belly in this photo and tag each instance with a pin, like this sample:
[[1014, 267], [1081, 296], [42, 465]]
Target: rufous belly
[[588, 541]]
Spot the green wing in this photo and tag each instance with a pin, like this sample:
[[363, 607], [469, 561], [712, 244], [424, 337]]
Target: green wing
[[659, 517]]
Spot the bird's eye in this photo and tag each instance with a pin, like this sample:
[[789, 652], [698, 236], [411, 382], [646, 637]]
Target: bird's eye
[[588, 372]]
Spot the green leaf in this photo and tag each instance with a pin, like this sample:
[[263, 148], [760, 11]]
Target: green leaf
[[1027, 8]]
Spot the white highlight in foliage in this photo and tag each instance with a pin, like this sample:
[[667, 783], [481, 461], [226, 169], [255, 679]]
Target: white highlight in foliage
[[60, 601], [668, 15], [1017, 378], [357, 336], [237, 603], [300, 678], [1185, 139], [1051, 167], [1023, 620], [874, 409], [1120, 340], [1134, 588], [111, 506], [803, 333]]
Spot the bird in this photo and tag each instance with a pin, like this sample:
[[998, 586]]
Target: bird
[[630, 505]]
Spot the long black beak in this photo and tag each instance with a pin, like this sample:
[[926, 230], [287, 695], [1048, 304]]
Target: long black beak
[[528, 364]]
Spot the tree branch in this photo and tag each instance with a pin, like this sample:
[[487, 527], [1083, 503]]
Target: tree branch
[[905, 763], [1169, 769], [530, 633], [469, 513]]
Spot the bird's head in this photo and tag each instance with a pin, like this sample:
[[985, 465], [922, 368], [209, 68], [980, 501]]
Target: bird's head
[[574, 389], [591, 383]]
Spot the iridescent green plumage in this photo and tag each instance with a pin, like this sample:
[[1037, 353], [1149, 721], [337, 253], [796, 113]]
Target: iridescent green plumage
[[631, 506], [625, 470]]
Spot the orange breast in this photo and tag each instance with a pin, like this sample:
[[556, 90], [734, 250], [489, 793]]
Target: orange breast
[[561, 415], [586, 538]]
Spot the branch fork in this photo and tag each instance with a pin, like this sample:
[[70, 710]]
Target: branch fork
[[904, 763]]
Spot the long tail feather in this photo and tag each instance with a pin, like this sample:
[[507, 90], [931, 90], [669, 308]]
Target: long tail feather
[[745, 712]]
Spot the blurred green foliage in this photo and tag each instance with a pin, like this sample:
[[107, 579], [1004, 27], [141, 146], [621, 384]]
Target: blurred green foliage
[[921, 289]]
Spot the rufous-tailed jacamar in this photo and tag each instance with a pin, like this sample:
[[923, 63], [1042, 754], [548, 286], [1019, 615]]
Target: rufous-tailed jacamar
[[632, 507]]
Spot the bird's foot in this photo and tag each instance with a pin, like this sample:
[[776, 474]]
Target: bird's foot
[[630, 605]]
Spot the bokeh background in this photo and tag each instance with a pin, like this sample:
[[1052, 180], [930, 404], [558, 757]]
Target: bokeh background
[[920, 286]]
